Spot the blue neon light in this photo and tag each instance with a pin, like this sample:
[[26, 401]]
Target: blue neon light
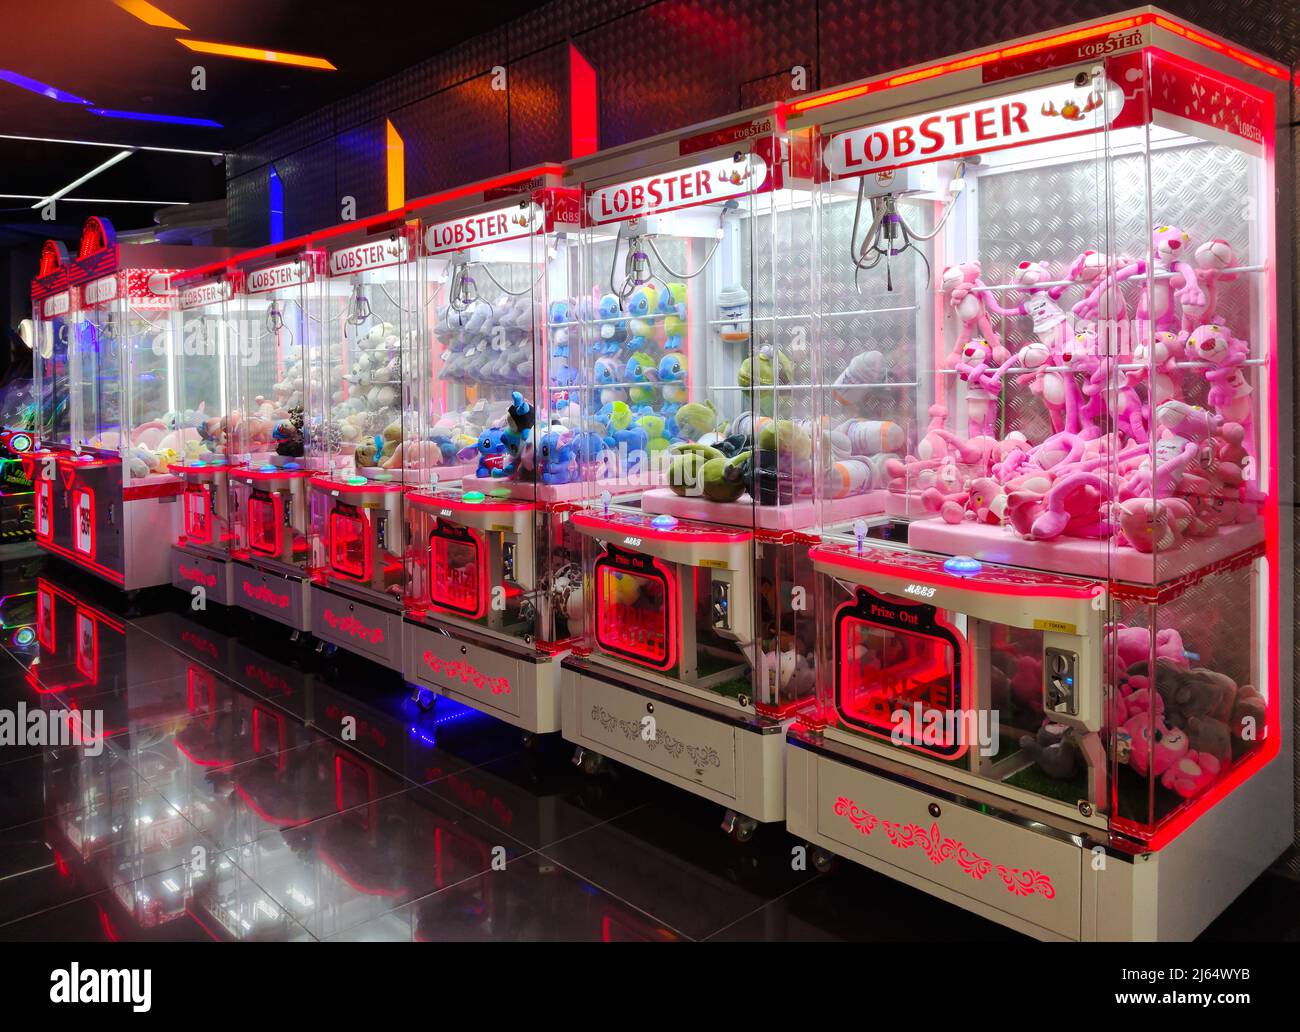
[[277, 207], [44, 89], [146, 116]]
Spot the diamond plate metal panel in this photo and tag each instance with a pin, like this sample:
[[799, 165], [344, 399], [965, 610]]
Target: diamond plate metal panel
[[454, 137], [361, 167], [560, 20], [248, 206], [310, 198]]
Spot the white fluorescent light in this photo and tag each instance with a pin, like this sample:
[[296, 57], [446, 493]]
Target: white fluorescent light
[[94, 200], [118, 146], [119, 156]]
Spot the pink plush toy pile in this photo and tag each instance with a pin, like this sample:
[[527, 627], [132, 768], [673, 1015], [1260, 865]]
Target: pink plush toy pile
[[1108, 469]]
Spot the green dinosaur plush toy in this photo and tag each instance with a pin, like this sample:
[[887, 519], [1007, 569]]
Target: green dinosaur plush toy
[[785, 437], [695, 419], [724, 478], [685, 470], [766, 376]]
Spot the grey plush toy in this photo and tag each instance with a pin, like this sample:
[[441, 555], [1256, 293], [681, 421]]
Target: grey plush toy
[[1053, 750]]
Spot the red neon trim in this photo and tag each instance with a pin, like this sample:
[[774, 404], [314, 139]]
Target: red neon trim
[[332, 485], [583, 106], [195, 760], [438, 565], [103, 617], [140, 492], [684, 531], [1048, 588], [483, 185], [257, 475], [81, 560], [1020, 49], [281, 822], [434, 501], [352, 883]]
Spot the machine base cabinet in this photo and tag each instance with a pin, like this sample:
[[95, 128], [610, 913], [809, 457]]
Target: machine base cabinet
[[366, 630], [520, 689], [215, 576], [733, 762], [1039, 882], [284, 599]]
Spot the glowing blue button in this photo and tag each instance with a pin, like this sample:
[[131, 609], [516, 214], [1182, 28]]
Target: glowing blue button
[[963, 566], [664, 522], [290, 465], [269, 468]]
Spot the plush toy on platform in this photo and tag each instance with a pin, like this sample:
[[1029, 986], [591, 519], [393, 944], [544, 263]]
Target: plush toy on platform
[[613, 327], [1053, 750], [1230, 392], [761, 372], [1212, 258], [733, 315], [866, 370], [982, 366], [965, 290], [1110, 320], [1175, 279], [642, 372], [694, 420]]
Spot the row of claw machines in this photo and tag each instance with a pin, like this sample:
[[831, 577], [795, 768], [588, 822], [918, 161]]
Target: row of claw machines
[[901, 462]]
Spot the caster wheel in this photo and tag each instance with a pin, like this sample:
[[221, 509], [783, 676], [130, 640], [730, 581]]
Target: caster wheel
[[424, 699], [823, 860], [528, 740], [744, 829], [590, 763]]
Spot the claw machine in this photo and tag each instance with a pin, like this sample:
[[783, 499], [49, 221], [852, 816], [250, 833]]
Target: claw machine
[[203, 322], [52, 307], [370, 352], [276, 443], [119, 499], [1051, 687], [700, 371], [494, 587]]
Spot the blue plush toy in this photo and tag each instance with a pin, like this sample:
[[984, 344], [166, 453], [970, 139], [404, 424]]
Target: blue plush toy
[[491, 453], [672, 373], [672, 301], [613, 328], [557, 458]]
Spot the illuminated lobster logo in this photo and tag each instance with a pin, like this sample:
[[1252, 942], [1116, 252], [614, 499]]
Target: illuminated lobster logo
[[1071, 111]]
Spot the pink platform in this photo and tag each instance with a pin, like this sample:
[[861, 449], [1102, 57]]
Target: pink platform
[[800, 515], [552, 493], [1084, 557]]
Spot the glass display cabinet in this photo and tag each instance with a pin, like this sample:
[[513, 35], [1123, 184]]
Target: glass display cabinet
[[52, 307], [371, 356], [1049, 672], [699, 388], [207, 332], [274, 449], [120, 434], [493, 581]]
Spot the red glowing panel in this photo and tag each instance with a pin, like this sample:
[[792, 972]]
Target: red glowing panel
[[44, 509], [349, 540], [87, 646], [458, 575], [636, 609], [899, 674], [265, 523], [83, 522], [198, 514]]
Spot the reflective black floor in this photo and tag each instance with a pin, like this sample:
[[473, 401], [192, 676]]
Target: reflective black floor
[[249, 788]]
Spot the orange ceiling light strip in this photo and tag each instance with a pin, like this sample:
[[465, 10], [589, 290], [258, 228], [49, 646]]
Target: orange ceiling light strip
[[1033, 46], [151, 15], [396, 151], [1211, 43], [256, 54]]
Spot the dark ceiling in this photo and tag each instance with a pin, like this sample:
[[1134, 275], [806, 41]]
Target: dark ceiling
[[98, 51]]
